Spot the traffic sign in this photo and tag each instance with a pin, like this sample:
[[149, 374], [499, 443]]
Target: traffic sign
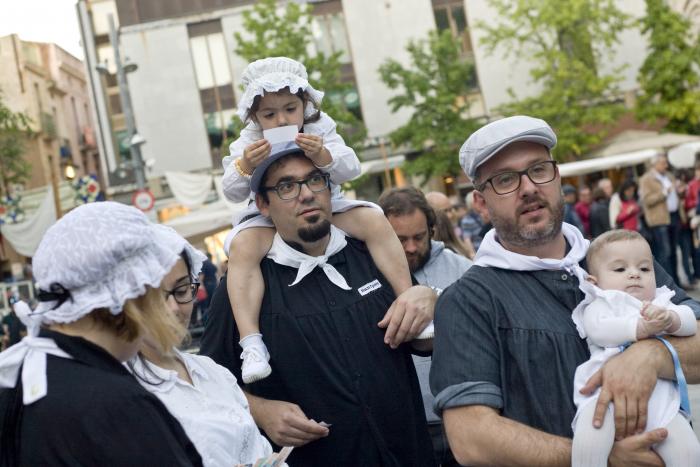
[[143, 199]]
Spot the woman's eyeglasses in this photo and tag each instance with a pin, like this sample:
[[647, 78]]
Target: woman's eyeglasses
[[183, 294]]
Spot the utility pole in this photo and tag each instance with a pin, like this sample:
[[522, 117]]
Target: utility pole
[[125, 99]]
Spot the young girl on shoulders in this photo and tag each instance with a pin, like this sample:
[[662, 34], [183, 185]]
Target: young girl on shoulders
[[277, 94]]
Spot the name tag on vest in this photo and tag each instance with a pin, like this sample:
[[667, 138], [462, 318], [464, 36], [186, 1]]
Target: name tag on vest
[[370, 287]]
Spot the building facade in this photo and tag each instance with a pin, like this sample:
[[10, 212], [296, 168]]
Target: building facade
[[48, 85], [185, 89]]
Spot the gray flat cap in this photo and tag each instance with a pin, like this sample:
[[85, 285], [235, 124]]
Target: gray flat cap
[[278, 151], [491, 138]]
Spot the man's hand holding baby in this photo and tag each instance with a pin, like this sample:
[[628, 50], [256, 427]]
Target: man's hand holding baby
[[655, 320]]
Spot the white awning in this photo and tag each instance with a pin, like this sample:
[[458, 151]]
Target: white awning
[[572, 169], [379, 165], [683, 155], [207, 219]]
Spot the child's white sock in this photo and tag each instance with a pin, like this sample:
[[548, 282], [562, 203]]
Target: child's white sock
[[252, 340]]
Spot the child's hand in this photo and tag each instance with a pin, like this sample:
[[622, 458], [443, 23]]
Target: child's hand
[[651, 312], [312, 145], [656, 320], [254, 154]]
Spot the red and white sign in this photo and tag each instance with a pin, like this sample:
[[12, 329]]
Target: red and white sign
[[143, 200]]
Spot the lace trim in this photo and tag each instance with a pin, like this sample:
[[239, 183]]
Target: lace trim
[[273, 82]]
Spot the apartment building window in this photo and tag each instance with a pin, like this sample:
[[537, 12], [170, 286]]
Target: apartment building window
[[330, 36], [213, 74], [450, 15]]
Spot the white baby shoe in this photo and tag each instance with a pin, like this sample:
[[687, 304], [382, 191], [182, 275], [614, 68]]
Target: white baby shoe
[[255, 366]]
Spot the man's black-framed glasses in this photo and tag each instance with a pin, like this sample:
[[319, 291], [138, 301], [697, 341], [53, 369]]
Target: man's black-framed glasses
[[290, 189], [183, 294], [508, 182]]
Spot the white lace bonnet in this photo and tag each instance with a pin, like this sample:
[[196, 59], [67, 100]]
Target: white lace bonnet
[[272, 74], [100, 255]]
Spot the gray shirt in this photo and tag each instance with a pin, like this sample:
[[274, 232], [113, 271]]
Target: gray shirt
[[442, 269], [505, 339]]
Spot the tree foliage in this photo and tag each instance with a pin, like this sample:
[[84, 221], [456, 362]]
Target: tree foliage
[[439, 87], [271, 32], [563, 46], [14, 129], [669, 77]]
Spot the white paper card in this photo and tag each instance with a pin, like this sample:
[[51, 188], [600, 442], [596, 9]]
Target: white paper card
[[281, 134]]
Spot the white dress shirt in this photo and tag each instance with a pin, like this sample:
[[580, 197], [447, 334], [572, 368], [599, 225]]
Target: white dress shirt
[[213, 410]]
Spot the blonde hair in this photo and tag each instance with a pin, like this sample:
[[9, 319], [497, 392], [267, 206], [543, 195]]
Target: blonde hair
[[144, 315], [611, 236]]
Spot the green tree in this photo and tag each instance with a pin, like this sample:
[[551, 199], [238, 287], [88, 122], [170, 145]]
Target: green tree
[[439, 86], [14, 130], [669, 77], [563, 45], [271, 31]]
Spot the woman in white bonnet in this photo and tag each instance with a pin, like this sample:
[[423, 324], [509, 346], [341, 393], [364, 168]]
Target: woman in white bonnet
[[65, 397], [203, 396]]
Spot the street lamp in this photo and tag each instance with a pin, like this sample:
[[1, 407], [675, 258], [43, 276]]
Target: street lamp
[[135, 140], [69, 171]]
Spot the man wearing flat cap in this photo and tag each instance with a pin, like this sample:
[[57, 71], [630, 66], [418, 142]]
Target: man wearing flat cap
[[506, 348], [343, 390]]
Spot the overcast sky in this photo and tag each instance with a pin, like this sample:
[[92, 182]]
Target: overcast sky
[[42, 21]]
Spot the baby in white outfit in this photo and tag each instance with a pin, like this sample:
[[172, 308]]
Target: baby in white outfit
[[623, 305]]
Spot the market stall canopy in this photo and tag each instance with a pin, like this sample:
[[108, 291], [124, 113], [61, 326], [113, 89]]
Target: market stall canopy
[[189, 189], [618, 161], [684, 155], [629, 148], [638, 140], [379, 165], [209, 218]]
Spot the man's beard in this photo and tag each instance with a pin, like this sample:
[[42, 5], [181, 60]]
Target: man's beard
[[511, 233], [315, 231], [420, 260]]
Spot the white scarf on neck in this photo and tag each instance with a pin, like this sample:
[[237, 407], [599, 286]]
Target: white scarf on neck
[[282, 253], [492, 254], [30, 355]]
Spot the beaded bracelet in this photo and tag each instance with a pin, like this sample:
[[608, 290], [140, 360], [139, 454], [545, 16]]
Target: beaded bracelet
[[240, 170]]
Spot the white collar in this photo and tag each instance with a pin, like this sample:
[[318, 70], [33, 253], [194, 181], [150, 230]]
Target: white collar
[[165, 378], [492, 254], [614, 298], [282, 253]]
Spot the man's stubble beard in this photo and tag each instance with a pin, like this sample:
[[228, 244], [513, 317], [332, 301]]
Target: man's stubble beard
[[527, 237], [422, 261]]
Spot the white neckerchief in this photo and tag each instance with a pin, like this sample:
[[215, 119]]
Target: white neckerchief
[[282, 253], [492, 254], [30, 355]]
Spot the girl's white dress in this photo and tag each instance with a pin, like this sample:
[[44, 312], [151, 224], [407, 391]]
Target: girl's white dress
[[608, 320], [344, 167]]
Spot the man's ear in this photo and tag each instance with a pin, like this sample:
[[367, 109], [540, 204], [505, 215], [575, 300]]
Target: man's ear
[[262, 205], [592, 279], [479, 202]]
